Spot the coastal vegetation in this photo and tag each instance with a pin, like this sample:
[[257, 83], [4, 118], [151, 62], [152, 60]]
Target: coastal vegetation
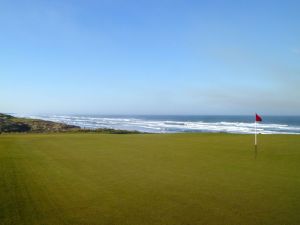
[[11, 124]]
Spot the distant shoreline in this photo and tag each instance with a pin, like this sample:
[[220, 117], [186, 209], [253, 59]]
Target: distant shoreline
[[179, 124], [12, 124]]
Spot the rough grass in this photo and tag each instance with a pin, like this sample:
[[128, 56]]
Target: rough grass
[[49, 179]]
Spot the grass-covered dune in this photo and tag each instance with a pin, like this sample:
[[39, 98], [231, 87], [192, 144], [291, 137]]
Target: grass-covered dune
[[11, 124], [49, 179]]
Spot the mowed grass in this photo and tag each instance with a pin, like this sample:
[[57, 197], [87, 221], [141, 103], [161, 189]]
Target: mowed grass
[[49, 179]]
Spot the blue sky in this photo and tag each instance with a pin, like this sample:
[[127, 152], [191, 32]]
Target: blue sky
[[150, 57]]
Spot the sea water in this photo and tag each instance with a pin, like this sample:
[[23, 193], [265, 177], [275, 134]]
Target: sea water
[[181, 123]]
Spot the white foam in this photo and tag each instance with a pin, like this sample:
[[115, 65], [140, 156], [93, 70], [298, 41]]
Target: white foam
[[169, 126]]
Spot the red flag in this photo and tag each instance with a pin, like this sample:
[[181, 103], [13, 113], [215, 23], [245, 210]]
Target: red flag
[[258, 118]]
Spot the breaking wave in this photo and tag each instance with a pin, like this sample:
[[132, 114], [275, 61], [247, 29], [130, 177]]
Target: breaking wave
[[170, 126]]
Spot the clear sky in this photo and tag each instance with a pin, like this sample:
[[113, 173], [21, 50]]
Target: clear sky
[[150, 57]]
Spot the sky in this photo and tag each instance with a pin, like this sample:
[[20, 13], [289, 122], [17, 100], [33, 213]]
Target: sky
[[150, 57]]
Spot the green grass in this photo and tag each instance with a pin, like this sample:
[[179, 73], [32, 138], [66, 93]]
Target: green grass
[[56, 179]]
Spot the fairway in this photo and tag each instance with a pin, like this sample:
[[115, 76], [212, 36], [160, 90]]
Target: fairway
[[149, 179]]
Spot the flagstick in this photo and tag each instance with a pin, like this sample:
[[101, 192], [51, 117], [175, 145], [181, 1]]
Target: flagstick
[[255, 142]]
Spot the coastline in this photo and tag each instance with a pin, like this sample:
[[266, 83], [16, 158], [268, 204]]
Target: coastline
[[12, 124], [179, 123]]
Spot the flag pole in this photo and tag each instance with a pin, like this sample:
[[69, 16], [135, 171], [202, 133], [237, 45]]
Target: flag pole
[[255, 139], [257, 119], [255, 142]]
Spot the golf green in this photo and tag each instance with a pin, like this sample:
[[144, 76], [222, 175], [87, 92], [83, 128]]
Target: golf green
[[161, 179]]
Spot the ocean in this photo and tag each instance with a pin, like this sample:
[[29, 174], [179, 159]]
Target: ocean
[[181, 123]]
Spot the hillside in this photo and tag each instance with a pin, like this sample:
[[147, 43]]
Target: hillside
[[11, 124]]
